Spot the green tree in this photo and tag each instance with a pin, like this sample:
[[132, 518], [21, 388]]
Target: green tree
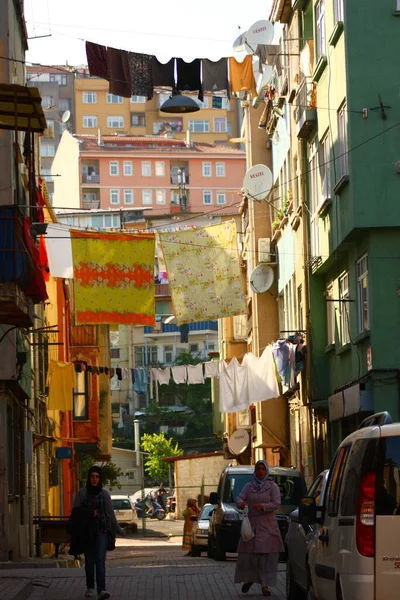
[[158, 447]]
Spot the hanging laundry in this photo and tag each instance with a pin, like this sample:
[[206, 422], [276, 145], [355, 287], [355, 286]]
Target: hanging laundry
[[184, 329], [131, 409], [162, 376], [36, 288], [61, 380], [59, 251], [262, 124], [211, 369], [163, 74], [215, 75], [125, 373], [241, 76], [43, 259], [133, 377], [179, 374], [119, 72], [188, 76], [118, 373], [204, 272], [261, 376], [141, 74], [140, 383], [97, 59], [112, 372], [280, 351], [233, 387], [122, 413], [217, 102], [114, 280], [195, 374]]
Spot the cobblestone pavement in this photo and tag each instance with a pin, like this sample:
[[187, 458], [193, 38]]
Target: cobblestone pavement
[[140, 569]]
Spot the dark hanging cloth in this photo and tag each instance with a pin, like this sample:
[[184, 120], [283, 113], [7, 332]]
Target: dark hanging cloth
[[188, 76], [120, 73], [97, 59], [184, 329], [163, 75], [141, 74], [215, 75], [118, 372]]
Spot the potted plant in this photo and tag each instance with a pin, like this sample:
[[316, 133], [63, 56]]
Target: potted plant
[[276, 224]]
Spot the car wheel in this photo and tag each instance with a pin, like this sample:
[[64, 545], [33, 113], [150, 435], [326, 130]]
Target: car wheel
[[293, 592], [210, 546], [195, 551], [219, 550]]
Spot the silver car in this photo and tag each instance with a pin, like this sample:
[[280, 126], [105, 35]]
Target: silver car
[[200, 530]]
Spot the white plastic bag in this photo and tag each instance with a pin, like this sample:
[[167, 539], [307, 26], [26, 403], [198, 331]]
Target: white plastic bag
[[246, 531]]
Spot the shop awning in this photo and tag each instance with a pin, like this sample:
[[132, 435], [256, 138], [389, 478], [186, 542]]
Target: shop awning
[[21, 108]]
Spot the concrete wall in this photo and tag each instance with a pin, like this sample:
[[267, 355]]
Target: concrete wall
[[130, 478], [66, 165]]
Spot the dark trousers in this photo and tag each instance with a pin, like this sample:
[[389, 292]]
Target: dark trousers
[[96, 557]]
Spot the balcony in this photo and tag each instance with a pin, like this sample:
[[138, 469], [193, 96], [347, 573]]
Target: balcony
[[305, 113], [176, 178], [169, 328], [93, 178], [91, 172], [162, 290]]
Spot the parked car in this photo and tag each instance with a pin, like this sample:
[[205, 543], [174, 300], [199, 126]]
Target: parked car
[[200, 530], [224, 531], [353, 540], [124, 512], [297, 542]]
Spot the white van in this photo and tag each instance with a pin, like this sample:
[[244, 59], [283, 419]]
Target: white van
[[353, 550]]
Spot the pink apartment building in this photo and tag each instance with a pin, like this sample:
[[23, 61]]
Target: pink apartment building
[[165, 175]]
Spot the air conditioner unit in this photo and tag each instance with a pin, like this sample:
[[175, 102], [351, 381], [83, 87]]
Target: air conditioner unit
[[265, 253]]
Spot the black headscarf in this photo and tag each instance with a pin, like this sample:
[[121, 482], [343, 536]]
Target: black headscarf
[[94, 489]]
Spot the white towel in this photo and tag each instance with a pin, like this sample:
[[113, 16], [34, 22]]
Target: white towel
[[59, 251], [261, 377], [211, 368], [195, 373], [179, 374], [162, 375], [233, 388], [125, 373]]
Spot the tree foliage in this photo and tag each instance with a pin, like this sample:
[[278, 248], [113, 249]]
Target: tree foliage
[[110, 471], [158, 447]]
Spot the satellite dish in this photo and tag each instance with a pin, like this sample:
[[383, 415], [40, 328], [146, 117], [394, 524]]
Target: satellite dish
[[239, 45], [66, 116], [261, 32], [238, 441], [261, 278], [257, 182]]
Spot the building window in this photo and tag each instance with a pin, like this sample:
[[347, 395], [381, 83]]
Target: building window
[[320, 29], [114, 167], [90, 121], [207, 169], [300, 306], [64, 104], [314, 197], [362, 294], [89, 197], [220, 125], [89, 97], [220, 169], [138, 120], [330, 315], [147, 197], [112, 99], [167, 127], [138, 99], [174, 196], [168, 355], [207, 197], [47, 149], [193, 348], [344, 308], [199, 126], [221, 198], [146, 169], [81, 397], [160, 168], [114, 196], [60, 79], [128, 170], [160, 197], [342, 142], [202, 104], [128, 196], [115, 122], [47, 101], [324, 168], [145, 355], [338, 10]]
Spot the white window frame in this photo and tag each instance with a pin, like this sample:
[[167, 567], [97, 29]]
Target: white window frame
[[147, 197], [161, 197], [128, 168], [199, 126], [202, 103], [114, 197], [324, 168], [207, 193], [175, 196], [114, 168], [146, 168], [206, 168], [50, 149], [159, 168], [128, 197], [320, 38], [338, 10], [113, 99], [220, 169], [343, 162], [138, 99], [168, 354], [362, 293], [330, 315], [220, 125], [89, 118], [344, 308], [89, 97], [221, 198], [119, 122]]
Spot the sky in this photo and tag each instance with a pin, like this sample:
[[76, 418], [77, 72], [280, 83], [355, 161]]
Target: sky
[[167, 28]]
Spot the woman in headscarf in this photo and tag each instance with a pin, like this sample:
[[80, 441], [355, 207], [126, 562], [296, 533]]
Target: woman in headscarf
[[258, 558], [97, 518], [190, 511]]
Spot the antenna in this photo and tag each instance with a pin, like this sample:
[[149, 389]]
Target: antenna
[[257, 182]]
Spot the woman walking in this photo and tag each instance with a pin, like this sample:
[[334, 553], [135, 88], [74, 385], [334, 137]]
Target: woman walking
[[190, 511], [258, 558], [93, 520]]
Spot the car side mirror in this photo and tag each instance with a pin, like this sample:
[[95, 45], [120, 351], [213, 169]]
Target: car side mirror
[[214, 498], [307, 511]]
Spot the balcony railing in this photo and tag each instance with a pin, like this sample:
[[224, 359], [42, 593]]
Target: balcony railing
[[172, 328], [162, 289], [93, 178], [175, 178], [305, 113]]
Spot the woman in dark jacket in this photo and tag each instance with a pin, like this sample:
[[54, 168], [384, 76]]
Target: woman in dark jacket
[[93, 511]]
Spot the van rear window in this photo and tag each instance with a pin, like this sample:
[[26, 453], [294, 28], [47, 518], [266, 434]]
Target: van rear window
[[388, 481]]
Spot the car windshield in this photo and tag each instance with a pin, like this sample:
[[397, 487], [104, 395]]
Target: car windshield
[[291, 488], [121, 504], [205, 514]]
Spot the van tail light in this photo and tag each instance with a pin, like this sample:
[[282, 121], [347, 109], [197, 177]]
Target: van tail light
[[365, 527]]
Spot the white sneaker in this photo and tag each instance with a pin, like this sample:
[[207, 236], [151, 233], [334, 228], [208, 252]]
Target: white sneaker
[[103, 595], [89, 593]]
